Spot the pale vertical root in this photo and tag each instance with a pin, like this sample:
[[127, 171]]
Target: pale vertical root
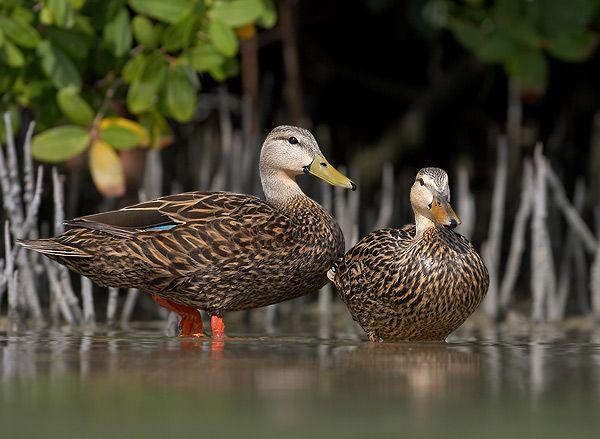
[[543, 282], [13, 175], [11, 279], [558, 304], [492, 246], [111, 307], [21, 226], [63, 272], [89, 314], [153, 174], [517, 245], [28, 174], [58, 296], [576, 222], [466, 202], [271, 316], [59, 200], [33, 206], [581, 278], [2, 283], [129, 305]]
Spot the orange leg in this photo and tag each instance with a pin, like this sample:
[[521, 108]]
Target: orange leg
[[191, 322], [217, 325]]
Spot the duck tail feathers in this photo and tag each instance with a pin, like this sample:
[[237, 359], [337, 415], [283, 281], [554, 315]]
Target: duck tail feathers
[[50, 247]]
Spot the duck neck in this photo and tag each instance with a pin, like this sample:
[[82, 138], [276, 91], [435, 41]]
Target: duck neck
[[279, 187], [422, 224]]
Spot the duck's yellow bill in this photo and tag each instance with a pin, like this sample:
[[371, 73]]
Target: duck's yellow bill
[[443, 213], [321, 168]]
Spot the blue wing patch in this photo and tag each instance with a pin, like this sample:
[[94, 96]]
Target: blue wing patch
[[161, 228]]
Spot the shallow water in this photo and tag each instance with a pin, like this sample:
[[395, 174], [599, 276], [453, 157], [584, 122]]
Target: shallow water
[[126, 384]]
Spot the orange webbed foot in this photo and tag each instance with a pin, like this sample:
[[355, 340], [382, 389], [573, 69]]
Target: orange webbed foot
[[191, 321]]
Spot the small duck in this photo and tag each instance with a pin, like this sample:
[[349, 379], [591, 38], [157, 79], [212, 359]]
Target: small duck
[[420, 282], [215, 251]]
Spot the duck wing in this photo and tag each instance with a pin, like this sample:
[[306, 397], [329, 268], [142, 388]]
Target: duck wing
[[165, 213]]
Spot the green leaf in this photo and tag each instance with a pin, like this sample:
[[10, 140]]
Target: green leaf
[[101, 12], [497, 48], [75, 43], [169, 11], [62, 11], [11, 55], [223, 37], [572, 47], [133, 67], [145, 33], [144, 89], [1, 38], [204, 58], [120, 137], [523, 30], [77, 4], [237, 12], [556, 17], [123, 133], [117, 33], [467, 34], [530, 67], [23, 14], [74, 106], [179, 35], [58, 66], [268, 18], [21, 33], [180, 94], [59, 144]]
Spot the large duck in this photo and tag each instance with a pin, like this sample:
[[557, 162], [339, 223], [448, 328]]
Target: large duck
[[215, 251], [420, 282]]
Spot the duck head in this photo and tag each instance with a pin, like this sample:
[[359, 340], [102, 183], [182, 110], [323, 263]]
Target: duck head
[[430, 199], [293, 151]]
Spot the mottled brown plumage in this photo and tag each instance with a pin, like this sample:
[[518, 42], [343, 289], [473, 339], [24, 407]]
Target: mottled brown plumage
[[410, 284], [229, 251], [216, 251]]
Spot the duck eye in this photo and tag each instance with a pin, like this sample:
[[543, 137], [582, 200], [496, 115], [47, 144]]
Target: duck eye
[[324, 164], [293, 140], [421, 182]]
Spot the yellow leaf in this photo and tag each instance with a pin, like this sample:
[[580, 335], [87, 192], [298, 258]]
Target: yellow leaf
[[106, 169], [134, 127]]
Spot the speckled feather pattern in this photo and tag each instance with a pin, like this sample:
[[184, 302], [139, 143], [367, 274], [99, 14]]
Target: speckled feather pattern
[[229, 252], [398, 287]]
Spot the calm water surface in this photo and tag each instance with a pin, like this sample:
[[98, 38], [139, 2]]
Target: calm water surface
[[128, 384]]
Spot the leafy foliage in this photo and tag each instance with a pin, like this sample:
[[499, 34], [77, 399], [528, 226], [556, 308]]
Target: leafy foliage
[[520, 34], [105, 75]]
